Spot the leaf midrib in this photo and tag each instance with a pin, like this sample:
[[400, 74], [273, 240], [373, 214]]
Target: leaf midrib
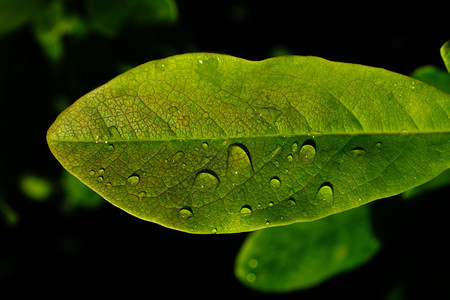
[[310, 135]]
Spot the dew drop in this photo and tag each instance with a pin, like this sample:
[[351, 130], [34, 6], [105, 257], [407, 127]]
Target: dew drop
[[378, 145], [205, 145], [291, 201], [100, 179], [239, 161], [91, 172], [141, 194], [177, 156], [276, 150], [206, 179], [308, 150], [246, 209], [404, 131], [110, 147], [253, 263], [294, 146], [324, 194], [101, 171], [114, 132], [290, 158], [133, 180], [275, 182], [185, 212], [214, 230], [270, 204], [251, 277], [357, 152]]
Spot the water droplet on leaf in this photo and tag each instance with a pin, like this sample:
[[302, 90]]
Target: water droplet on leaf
[[246, 209], [324, 194], [114, 132], [253, 263], [185, 212], [133, 180], [205, 145], [275, 182], [276, 150], [141, 194], [100, 179], [308, 150], [357, 152], [239, 161], [91, 172], [378, 145], [290, 158], [251, 277], [177, 156], [291, 201], [294, 146], [206, 179]]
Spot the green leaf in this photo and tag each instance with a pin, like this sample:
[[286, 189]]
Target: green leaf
[[433, 76], [440, 181], [302, 255], [210, 143], [445, 53]]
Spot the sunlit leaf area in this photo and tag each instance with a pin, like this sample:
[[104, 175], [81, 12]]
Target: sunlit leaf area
[[278, 176]]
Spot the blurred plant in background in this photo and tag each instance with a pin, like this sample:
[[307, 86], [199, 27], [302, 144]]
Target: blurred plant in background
[[52, 21]]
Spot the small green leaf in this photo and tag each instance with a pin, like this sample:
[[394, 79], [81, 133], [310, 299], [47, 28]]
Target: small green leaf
[[445, 53], [235, 142], [302, 255], [36, 187]]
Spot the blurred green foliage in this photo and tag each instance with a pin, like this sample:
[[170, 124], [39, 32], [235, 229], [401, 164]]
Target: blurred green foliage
[[36, 187], [52, 21]]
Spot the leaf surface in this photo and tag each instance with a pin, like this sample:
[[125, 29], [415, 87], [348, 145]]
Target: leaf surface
[[302, 255], [210, 143]]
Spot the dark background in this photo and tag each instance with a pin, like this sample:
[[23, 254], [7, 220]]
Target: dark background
[[105, 251]]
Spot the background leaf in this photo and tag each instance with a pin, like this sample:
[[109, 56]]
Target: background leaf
[[211, 143], [302, 255], [445, 53]]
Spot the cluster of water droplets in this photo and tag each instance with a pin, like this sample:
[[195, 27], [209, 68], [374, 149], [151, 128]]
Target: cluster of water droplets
[[239, 168]]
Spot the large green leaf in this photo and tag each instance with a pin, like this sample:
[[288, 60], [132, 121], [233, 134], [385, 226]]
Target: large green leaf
[[302, 255], [210, 143]]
